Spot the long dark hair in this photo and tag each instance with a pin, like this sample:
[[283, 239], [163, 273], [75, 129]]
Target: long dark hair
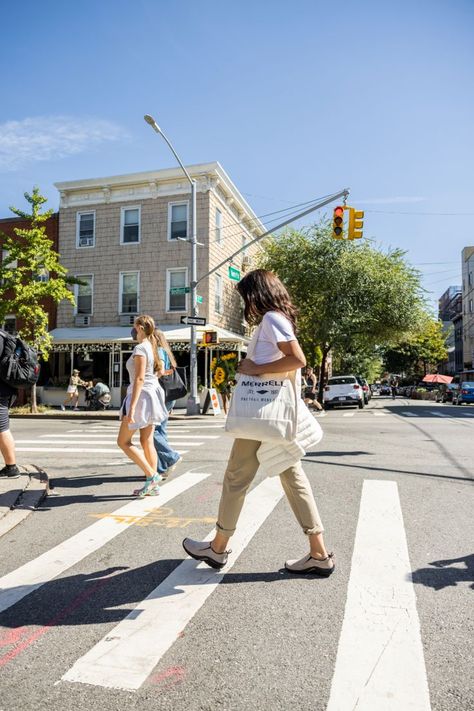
[[262, 291]]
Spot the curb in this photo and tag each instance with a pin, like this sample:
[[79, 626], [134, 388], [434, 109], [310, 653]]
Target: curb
[[17, 503]]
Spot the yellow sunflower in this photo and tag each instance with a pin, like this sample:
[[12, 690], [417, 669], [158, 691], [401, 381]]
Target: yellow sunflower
[[219, 376]]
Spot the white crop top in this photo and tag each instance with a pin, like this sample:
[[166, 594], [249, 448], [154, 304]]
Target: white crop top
[[273, 329]]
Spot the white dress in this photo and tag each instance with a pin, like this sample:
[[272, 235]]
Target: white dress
[[151, 408]]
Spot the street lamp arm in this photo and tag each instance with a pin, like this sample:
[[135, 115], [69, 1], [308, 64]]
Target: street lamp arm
[[151, 121], [343, 193]]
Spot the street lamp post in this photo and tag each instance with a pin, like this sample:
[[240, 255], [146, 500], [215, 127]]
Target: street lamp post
[[193, 407]]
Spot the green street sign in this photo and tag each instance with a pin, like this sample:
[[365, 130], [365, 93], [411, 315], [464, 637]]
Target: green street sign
[[199, 299], [234, 274], [180, 290]]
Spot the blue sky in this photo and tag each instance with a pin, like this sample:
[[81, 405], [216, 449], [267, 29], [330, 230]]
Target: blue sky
[[295, 100]]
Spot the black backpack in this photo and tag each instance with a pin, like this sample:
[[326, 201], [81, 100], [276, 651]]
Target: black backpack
[[19, 365]]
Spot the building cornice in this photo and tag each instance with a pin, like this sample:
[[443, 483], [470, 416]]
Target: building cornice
[[157, 183]]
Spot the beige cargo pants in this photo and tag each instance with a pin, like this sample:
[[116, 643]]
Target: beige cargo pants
[[241, 470]]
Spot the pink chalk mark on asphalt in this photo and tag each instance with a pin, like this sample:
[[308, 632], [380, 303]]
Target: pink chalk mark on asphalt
[[15, 635], [170, 677]]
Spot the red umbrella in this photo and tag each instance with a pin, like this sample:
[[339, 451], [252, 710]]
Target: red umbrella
[[437, 378]]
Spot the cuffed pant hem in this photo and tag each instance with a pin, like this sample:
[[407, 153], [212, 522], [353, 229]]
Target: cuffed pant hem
[[225, 531], [313, 531]]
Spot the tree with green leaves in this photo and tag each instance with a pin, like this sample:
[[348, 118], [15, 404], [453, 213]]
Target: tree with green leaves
[[348, 293], [421, 351], [30, 274]]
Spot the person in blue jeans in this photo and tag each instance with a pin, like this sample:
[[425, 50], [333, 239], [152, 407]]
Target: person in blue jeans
[[168, 458]]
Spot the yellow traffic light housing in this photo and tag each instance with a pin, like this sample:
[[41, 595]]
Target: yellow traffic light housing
[[356, 223], [337, 222]]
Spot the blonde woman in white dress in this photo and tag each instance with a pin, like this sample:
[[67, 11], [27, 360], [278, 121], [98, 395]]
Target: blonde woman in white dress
[[144, 405]]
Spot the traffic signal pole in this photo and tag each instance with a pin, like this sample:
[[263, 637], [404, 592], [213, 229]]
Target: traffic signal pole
[[343, 193]]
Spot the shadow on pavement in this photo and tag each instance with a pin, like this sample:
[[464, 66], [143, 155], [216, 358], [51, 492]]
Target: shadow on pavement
[[93, 598], [430, 410], [333, 453], [443, 575]]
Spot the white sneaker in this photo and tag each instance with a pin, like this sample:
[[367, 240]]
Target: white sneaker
[[171, 469], [201, 550], [63, 408]]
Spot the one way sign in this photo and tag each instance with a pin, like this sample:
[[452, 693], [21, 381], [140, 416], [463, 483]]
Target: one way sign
[[193, 320]]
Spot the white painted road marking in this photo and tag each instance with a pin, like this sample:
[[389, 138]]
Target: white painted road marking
[[126, 656], [21, 582], [78, 437], [380, 414], [83, 450], [349, 414], [409, 414], [380, 662]]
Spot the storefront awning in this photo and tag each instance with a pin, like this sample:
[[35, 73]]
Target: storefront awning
[[120, 334]]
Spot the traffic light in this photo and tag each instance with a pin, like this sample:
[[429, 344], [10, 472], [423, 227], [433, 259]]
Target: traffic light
[[337, 222], [209, 338], [356, 223]]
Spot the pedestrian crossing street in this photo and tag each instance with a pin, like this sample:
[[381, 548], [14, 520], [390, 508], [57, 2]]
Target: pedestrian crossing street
[[126, 655]]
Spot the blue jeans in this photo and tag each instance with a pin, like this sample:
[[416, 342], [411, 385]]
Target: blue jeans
[[167, 456]]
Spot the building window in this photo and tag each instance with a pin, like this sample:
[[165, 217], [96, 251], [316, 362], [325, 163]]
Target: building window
[[9, 325], [85, 229], [218, 294], [176, 280], [84, 294], [130, 225], [218, 225], [177, 220], [129, 292], [244, 243], [42, 274], [7, 264]]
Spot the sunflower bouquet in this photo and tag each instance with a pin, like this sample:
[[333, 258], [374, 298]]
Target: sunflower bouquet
[[223, 370]]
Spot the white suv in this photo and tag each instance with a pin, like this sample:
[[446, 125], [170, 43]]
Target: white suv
[[343, 390]]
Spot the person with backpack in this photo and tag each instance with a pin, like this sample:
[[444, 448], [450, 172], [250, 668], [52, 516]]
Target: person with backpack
[[19, 368]]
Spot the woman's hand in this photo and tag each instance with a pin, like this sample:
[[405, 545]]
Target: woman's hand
[[248, 367], [130, 418]]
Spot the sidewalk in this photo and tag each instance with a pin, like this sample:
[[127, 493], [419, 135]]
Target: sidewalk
[[20, 497]]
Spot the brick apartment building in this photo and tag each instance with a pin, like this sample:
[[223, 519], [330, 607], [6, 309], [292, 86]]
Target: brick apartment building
[[125, 237]]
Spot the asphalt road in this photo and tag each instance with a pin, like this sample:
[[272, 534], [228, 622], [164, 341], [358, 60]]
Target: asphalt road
[[116, 606]]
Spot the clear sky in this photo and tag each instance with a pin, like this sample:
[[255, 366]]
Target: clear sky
[[295, 99]]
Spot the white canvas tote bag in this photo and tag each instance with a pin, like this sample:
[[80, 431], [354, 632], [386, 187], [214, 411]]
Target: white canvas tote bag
[[263, 407]]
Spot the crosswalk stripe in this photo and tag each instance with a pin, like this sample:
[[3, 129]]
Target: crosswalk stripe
[[409, 414], [438, 414], [349, 414], [94, 443], [125, 657], [380, 414], [24, 580], [174, 435], [380, 662], [82, 450]]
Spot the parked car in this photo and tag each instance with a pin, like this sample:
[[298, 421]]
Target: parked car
[[365, 389], [464, 393], [385, 390], [343, 390], [446, 392]]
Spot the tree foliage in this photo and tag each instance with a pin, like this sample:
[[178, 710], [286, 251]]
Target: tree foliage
[[30, 273], [420, 351], [351, 296], [38, 275]]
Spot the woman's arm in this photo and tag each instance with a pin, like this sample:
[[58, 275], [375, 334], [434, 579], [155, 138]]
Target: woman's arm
[[293, 358], [140, 365]]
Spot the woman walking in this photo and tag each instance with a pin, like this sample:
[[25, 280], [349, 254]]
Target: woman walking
[[73, 390], [276, 350], [168, 458], [144, 405]]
